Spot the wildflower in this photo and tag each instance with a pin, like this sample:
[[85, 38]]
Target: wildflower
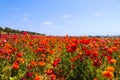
[[80, 53], [43, 55], [15, 65], [113, 61], [53, 76], [95, 79], [105, 48], [23, 78], [20, 54], [109, 58], [29, 74], [20, 60], [14, 36], [14, 49], [37, 77], [88, 52], [9, 51], [39, 50], [108, 74], [85, 41], [110, 51], [71, 47], [33, 63], [95, 53], [49, 71], [29, 67], [25, 33], [97, 63], [73, 59], [82, 59], [51, 51], [104, 54], [56, 62], [111, 68], [41, 63], [7, 46]]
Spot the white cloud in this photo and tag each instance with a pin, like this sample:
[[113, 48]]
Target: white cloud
[[66, 16], [97, 14], [50, 24], [47, 23], [25, 19]]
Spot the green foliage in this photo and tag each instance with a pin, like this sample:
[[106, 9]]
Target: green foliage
[[13, 31]]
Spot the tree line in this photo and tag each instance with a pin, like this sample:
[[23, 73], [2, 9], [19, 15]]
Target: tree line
[[8, 30]]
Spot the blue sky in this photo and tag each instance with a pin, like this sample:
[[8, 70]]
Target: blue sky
[[61, 17]]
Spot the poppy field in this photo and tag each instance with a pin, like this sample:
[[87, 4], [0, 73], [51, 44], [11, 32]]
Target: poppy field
[[36, 57]]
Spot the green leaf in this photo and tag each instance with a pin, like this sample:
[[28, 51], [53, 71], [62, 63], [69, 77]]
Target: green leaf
[[13, 78], [5, 68]]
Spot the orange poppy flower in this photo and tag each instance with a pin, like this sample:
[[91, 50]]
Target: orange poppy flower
[[108, 74], [37, 78], [33, 63], [111, 69], [15, 65], [53, 77], [43, 55], [41, 63], [7, 46], [113, 60], [20, 54], [20, 60], [95, 79], [49, 71]]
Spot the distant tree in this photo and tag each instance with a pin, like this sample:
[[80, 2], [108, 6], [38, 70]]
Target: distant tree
[[1, 29], [7, 30]]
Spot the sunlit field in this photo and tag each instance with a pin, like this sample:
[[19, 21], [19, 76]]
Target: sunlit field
[[35, 57]]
